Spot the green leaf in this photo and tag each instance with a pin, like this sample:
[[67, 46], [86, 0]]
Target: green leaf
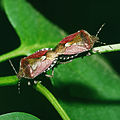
[[31, 31], [32, 28], [92, 110], [90, 89], [18, 116], [90, 79]]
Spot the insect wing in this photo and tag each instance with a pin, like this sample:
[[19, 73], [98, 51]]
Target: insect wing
[[40, 67], [75, 49], [38, 54], [69, 38]]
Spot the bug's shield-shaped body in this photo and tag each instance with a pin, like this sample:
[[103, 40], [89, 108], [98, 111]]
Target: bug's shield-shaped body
[[37, 63], [76, 43]]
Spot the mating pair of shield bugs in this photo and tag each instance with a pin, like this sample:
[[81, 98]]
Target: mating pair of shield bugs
[[45, 59]]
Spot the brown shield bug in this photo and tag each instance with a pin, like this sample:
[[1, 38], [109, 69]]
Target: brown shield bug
[[76, 43], [37, 63]]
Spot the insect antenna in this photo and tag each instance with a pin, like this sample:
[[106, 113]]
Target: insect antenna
[[99, 32], [12, 66], [16, 74], [100, 29]]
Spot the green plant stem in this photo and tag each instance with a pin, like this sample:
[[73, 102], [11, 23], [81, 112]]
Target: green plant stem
[[39, 87], [106, 48], [17, 52], [22, 50], [8, 80]]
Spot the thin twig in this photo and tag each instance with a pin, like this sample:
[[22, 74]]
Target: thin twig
[[106, 48], [42, 89]]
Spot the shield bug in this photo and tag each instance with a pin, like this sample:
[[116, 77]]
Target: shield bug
[[76, 43], [37, 63]]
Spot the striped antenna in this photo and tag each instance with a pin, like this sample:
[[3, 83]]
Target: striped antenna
[[100, 29], [12, 66], [99, 32], [16, 74]]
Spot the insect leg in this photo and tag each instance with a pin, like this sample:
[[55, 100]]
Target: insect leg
[[50, 75], [65, 62]]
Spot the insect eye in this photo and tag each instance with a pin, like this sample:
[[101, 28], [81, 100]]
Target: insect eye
[[94, 38]]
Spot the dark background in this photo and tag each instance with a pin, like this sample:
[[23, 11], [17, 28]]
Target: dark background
[[71, 16]]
